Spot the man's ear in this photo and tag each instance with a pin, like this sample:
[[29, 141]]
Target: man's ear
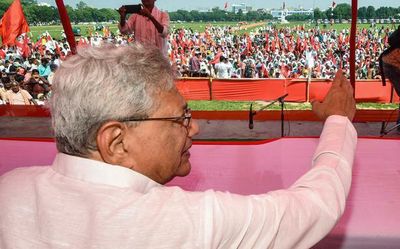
[[110, 142]]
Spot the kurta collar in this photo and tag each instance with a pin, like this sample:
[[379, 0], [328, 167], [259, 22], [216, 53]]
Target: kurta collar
[[97, 172]]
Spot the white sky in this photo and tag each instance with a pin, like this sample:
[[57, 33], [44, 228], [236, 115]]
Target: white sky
[[172, 5]]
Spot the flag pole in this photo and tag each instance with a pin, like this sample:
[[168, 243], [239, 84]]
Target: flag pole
[[353, 34], [66, 25]]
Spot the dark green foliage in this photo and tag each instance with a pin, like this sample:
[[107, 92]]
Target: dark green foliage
[[82, 12]]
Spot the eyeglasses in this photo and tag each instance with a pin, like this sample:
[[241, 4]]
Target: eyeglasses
[[185, 119]]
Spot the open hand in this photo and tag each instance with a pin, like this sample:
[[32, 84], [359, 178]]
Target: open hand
[[338, 101]]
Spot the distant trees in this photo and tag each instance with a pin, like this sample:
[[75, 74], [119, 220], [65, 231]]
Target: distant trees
[[216, 14], [40, 14], [343, 11], [4, 6]]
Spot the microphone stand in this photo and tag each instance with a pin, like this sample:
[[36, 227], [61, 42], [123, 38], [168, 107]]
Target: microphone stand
[[281, 100], [384, 132]]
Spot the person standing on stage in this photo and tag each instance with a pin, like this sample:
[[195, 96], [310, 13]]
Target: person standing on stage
[[149, 26]]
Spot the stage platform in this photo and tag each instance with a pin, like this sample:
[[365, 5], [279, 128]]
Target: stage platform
[[34, 122], [372, 215]]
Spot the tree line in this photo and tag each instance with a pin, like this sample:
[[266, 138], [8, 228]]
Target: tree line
[[343, 11], [41, 14]]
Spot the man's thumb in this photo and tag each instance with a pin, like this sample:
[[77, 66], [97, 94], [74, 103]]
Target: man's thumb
[[316, 107]]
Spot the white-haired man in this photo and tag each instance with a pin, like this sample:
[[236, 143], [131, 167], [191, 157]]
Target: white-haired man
[[105, 187]]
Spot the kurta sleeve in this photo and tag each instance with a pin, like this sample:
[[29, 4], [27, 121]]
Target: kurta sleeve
[[297, 217], [128, 28]]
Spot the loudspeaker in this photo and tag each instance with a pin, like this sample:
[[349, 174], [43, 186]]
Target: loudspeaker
[[389, 61]]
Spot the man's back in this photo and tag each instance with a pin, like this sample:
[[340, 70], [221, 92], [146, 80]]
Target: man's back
[[42, 208], [223, 70]]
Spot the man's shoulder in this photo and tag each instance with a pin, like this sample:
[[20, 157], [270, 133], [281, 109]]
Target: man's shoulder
[[155, 8], [18, 190], [24, 91], [160, 12], [21, 176]]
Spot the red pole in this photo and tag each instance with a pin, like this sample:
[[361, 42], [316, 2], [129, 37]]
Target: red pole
[[66, 25], [353, 34]]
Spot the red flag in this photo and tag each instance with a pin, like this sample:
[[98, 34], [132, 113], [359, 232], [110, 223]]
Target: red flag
[[226, 5], [249, 45], [386, 40], [375, 49], [267, 42], [58, 50], [273, 45], [13, 23], [24, 47], [333, 5], [172, 56], [341, 39], [48, 36], [216, 58], [2, 54]]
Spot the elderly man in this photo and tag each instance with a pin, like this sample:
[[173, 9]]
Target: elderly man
[[18, 96], [105, 186], [149, 26]]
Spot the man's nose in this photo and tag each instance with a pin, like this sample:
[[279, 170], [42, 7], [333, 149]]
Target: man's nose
[[193, 128]]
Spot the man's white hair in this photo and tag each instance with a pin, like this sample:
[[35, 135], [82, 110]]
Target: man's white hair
[[101, 84]]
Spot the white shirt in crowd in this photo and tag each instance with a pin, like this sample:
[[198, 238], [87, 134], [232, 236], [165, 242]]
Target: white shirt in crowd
[[223, 70]]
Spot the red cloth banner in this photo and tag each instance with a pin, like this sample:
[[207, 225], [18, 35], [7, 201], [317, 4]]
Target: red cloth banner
[[372, 91], [247, 89], [13, 24], [194, 88], [264, 89], [366, 91], [270, 89], [318, 90], [296, 90]]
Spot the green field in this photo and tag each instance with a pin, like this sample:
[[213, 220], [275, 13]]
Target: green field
[[55, 31], [202, 105]]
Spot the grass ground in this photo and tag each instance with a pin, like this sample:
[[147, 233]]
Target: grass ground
[[55, 31], [202, 105]]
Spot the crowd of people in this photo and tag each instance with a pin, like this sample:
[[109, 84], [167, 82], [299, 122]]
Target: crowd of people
[[270, 52], [267, 52]]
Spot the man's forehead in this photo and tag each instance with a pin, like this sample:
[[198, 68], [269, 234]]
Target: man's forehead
[[173, 100]]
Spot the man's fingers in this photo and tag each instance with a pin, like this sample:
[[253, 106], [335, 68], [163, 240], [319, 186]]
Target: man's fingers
[[345, 83], [338, 78], [316, 107]]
